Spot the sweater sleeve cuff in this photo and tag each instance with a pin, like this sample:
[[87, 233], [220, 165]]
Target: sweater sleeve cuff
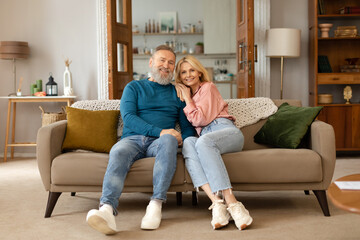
[[156, 132], [189, 108]]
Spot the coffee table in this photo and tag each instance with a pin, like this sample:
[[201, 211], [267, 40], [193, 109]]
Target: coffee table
[[348, 200]]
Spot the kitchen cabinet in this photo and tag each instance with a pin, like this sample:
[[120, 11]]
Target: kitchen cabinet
[[219, 26], [345, 118]]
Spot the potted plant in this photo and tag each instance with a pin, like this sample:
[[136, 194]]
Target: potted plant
[[199, 47]]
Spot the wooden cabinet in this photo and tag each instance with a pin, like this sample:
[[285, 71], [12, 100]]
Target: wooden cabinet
[[346, 123], [345, 118]]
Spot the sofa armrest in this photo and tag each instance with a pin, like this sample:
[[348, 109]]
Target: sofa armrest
[[323, 142], [48, 146]]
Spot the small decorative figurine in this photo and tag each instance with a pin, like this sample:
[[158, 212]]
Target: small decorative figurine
[[68, 90], [51, 87], [347, 94]]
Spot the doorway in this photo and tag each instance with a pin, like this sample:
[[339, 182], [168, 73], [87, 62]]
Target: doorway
[[262, 69]]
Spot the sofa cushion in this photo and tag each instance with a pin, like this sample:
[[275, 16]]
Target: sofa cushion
[[274, 166], [287, 126], [250, 131], [88, 169], [90, 130], [100, 105]]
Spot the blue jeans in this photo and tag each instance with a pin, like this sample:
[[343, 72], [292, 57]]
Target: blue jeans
[[125, 152], [203, 155]]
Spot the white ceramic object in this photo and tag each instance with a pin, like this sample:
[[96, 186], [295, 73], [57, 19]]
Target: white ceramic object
[[324, 29], [68, 90]]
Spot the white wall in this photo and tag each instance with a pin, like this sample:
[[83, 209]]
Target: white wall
[[291, 14], [54, 29]]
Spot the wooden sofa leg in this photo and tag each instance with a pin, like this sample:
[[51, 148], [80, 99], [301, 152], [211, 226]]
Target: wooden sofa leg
[[179, 198], [73, 194], [321, 197], [194, 198], [306, 192], [53, 197]]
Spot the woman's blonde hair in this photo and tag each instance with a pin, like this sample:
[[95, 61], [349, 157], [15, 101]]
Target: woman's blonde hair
[[204, 76]]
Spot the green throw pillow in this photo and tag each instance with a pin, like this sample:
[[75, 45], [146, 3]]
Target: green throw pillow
[[90, 130], [287, 126]]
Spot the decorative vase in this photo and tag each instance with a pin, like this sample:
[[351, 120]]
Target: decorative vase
[[324, 29], [68, 90]]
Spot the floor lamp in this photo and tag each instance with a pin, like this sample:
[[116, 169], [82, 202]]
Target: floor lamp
[[12, 50], [283, 43]]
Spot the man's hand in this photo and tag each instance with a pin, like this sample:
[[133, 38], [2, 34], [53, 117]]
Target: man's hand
[[174, 133]]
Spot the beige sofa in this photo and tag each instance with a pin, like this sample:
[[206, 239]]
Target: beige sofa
[[257, 167]]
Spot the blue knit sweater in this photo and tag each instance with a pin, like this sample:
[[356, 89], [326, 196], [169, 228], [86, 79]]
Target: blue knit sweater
[[147, 108]]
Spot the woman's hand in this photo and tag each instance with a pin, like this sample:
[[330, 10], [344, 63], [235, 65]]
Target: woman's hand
[[183, 92], [179, 92]]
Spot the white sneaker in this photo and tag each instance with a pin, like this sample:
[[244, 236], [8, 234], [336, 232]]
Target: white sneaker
[[152, 218], [102, 220], [240, 215], [220, 216]]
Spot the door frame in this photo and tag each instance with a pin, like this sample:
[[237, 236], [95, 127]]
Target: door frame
[[102, 50], [262, 67]]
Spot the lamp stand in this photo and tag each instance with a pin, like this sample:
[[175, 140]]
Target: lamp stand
[[14, 75], [281, 77]]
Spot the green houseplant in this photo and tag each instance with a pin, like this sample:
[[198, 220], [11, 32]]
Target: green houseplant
[[199, 47]]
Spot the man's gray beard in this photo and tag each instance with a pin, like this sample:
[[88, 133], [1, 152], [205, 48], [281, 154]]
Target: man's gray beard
[[156, 75]]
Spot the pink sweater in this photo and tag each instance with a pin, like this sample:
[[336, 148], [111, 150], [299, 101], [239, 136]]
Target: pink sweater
[[207, 106]]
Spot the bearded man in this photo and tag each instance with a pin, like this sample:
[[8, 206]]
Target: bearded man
[[150, 109]]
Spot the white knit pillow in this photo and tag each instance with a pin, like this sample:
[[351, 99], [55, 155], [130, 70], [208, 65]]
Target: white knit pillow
[[248, 111]]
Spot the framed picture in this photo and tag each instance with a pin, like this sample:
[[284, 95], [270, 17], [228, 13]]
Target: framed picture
[[168, 22]]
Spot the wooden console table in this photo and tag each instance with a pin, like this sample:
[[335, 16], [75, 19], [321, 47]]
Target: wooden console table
[[12, 100]]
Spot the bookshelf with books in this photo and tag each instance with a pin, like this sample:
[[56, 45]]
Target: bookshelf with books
[[334, 64]]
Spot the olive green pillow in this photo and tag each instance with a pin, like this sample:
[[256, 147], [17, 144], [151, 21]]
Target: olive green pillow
[[287, 127], [90, 130]]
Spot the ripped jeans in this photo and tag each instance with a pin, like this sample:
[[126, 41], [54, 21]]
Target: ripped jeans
[[126, 151], [203, 155]]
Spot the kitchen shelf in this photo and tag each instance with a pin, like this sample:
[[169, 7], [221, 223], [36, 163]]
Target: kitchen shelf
[[166, 34], [202, 55]]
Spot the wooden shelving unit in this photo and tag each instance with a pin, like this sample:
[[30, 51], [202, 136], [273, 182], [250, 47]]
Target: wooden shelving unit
[[345, 118]]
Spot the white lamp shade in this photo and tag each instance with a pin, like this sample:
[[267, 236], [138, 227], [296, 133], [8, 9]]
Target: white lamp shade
[[283, 42]]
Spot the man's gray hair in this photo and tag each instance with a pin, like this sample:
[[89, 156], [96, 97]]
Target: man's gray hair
[[164, 47]]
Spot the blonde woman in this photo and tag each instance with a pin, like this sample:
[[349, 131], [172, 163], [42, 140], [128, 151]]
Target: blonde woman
[[208, 113]]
